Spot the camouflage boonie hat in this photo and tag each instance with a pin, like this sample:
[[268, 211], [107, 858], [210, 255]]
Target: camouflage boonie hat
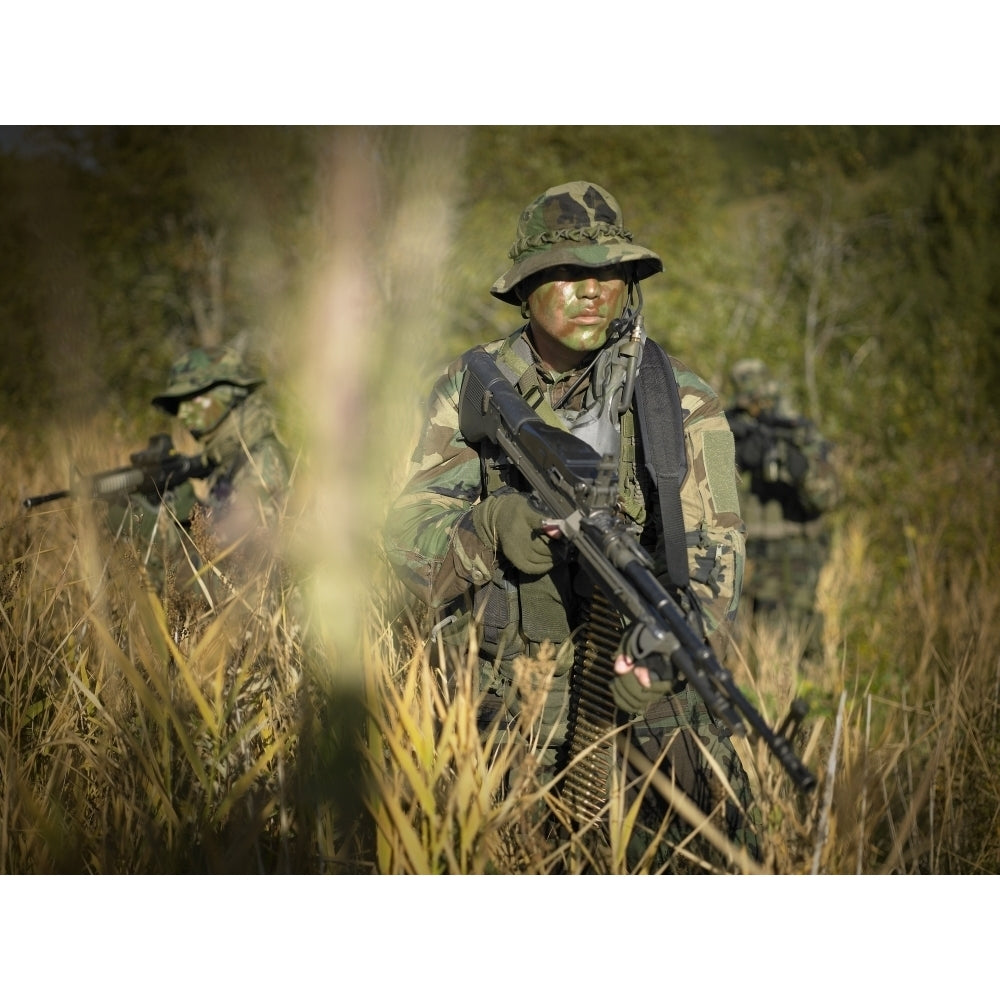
[[753, 382], [577, 224], [201, 369]]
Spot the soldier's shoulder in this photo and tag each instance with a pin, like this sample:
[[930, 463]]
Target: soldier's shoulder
[[457, 364], [448, 380], [697, 395]]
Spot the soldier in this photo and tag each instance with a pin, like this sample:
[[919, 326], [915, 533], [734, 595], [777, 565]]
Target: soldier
[[465, 539], [214, 394], [787, 483]]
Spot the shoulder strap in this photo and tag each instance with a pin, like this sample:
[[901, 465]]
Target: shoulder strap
[[521, 373], [658, 404]]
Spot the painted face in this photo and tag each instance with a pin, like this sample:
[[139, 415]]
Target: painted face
[[572, 307], [201, 414]]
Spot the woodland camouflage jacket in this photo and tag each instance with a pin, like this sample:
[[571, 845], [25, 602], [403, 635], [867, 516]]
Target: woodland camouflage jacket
[[431, 542]]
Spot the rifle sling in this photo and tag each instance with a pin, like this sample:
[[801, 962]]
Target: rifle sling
[[658, 405]]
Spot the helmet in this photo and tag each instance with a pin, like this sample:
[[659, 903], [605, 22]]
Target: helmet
[[201, 369], [754, 384], [578, 224]]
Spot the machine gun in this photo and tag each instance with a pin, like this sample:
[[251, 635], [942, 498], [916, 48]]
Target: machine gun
[[154, 470], [578, 489]]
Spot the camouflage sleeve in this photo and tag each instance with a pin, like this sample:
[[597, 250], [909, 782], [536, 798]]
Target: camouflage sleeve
[[252, 502], [429, 537], [716, 534], [265, 476]]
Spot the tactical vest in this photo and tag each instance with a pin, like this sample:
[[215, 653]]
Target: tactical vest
[[518, 613]]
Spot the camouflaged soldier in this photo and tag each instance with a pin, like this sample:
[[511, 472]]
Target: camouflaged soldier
[[214, 394], [464, 538], [787, 483]]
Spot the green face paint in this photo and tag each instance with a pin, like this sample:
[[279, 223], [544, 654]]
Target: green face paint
[[203, 413], [571, 311]]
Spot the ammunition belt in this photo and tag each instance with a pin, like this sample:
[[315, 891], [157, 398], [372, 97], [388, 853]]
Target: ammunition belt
[[591, 708]]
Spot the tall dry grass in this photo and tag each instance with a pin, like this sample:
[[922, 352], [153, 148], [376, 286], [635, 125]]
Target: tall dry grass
[[148, 731], [902, 735], [147, 727]]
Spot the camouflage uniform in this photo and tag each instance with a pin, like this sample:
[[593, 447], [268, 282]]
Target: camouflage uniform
[[239, 502], [432, 542], [787, 482]]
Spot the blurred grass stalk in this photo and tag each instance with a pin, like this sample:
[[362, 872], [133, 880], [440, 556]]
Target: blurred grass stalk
[[373, 310], [375, 307]]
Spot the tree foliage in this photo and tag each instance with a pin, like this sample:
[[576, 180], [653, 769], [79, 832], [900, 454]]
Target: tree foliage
[[128, 245]]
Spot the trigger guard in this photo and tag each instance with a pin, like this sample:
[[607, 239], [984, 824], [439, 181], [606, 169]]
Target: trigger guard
[[633, 645], [649, 654]]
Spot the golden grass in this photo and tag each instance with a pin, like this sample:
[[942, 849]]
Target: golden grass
[[146, 730]]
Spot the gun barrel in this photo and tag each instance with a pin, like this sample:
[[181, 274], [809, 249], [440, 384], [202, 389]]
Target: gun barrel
[[99, 487], [30, 502]]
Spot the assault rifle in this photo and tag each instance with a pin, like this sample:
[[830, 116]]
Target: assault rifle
[[154, 470], [770, 445], [779, 424], [578, 488]]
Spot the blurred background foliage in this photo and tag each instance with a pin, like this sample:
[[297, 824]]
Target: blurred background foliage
[[859, 261]]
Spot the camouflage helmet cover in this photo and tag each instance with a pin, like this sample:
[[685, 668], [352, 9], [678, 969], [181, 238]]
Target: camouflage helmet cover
[[753, 383], [201, 369], [579, 224]]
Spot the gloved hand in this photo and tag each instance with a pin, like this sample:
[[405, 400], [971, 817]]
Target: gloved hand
[[631, 697], [508, 522]]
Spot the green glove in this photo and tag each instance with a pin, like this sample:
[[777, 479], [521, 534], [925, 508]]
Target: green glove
[[631, 697], [508, 522]]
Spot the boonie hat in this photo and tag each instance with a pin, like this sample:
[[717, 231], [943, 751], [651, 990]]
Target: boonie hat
[[199, 370], [579, 224]]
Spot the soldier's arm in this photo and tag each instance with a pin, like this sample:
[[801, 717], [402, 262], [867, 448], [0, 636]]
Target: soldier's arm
[[716, 534], [429, 537]]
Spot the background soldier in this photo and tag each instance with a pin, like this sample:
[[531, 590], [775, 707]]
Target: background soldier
[[787, 482], [214, 394], [464, 537]]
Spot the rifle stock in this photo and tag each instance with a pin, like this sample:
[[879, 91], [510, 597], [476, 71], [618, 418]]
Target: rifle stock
[[154, 470], [578, 489]]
